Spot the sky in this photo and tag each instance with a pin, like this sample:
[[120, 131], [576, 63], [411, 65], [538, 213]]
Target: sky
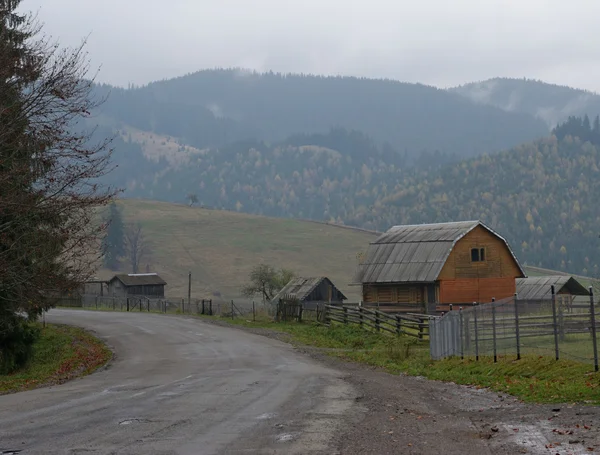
[[436, 42]]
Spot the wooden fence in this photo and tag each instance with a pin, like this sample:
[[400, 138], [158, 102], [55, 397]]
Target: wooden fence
[[415, 325]]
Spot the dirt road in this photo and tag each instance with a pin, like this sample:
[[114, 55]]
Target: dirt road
[[182, 386]]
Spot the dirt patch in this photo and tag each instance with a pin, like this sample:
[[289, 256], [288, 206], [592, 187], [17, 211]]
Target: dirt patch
[[414, 415]]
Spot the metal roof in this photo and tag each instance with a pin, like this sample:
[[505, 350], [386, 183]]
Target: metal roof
[[415, 253], [539, 287], [301, 288], [140, 279]]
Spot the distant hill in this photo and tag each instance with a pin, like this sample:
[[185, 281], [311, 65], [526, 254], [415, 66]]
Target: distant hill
[[549, 102], [214, 108], [221, 247]]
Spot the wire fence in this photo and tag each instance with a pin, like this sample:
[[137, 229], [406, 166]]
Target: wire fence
[[164, 305], [562, 328]]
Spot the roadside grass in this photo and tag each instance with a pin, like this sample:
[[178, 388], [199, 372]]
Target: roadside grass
[[534, 378], [61, 353]]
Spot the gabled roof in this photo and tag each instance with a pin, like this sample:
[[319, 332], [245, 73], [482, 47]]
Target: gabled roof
[[415, 253], [139, 279], [539, 287], [301, 288]]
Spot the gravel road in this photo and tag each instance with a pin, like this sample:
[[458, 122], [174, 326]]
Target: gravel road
[[183, 386]]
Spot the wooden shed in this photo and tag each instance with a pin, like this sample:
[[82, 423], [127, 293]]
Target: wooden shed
[[315, 289], [140, 284], [418, 267], [539, 288]]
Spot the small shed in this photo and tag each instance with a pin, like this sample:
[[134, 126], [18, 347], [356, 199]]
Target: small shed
[[566, 288], [137, 284], [415, 268], [316, 289]]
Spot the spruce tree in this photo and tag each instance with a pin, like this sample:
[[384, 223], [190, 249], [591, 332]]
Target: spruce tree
[[114, 243], [48, 174]]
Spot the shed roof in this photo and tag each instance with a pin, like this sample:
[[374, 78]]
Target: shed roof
[[539, 287], [415, 253], [301, 287], [139, 279]]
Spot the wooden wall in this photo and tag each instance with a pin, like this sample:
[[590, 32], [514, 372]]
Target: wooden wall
[[480, 290], [395, 293], [499, 262], [463, 281]]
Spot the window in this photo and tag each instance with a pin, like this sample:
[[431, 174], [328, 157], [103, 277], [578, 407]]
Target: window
[[477, 254]]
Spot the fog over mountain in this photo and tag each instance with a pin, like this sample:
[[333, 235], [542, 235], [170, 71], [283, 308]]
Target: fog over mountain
[[434, 42]]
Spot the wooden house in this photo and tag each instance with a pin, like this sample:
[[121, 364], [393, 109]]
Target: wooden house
[[311, 290], [538, 288], [418, 267], [141, 284]]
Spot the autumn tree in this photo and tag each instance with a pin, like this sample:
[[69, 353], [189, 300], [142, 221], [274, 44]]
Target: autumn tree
[[49, 171], [266, 281], [136, 245]]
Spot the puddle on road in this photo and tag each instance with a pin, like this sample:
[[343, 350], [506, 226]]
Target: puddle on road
[[266, 416], [285, 437], [132, 421]]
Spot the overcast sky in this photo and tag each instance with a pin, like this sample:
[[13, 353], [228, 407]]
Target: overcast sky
[[437, 42]]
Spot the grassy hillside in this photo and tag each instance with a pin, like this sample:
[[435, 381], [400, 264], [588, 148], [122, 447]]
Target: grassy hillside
[[221, 247]]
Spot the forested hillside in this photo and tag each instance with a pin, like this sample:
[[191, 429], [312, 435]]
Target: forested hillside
[[360, 152], [542, 196], [552, 103], [219, 107]]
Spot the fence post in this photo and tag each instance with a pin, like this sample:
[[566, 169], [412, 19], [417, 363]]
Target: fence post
[[554, 322], [253, 312], [300, 311], [148, 303], [113, 304], [561, 322], [127, 303], [190, 291], [360, 316], [183, 306], [345, 314], [210, 307], [494, 328], [593, 328], [232, 314], [377, 320], [462, 346], [443, 324], [96, 302], [140, 302], [476, 333], [467, 329], [517, 329], [398, 324]]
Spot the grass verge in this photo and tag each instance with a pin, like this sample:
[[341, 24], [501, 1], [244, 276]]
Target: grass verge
[[536, 379], [61, 353]]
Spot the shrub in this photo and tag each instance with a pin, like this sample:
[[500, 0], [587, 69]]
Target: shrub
[[17, 336]]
